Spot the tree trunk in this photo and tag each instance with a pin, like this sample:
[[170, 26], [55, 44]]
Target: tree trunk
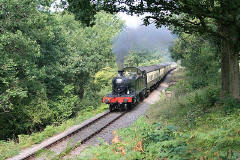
[[224, 69], [234, 75], [229, 70]]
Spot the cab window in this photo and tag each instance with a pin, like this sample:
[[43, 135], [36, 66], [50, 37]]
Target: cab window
[[131, 72]]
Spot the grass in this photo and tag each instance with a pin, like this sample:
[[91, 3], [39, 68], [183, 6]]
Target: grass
[[193, 124], [11, 148]]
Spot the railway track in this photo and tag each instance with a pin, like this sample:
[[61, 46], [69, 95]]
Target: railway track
[[61, 144], [72, 137]]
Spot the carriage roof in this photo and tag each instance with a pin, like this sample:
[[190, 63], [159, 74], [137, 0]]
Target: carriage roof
[[152, 67], [148, 69]]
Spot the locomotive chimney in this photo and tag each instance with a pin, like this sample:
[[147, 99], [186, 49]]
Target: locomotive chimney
[[120, 73]]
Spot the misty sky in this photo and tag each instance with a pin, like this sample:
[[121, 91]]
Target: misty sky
[[135, 22], [142, 36]]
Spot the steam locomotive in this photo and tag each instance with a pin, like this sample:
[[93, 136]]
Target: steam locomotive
[[133, 84]]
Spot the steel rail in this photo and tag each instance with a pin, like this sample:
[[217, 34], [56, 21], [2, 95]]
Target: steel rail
[[29, 152]]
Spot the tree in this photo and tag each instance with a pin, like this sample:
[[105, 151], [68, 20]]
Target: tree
[[47, 62], [218, 18], [34, 55], [143, 57], [199, 55], [93, 45]]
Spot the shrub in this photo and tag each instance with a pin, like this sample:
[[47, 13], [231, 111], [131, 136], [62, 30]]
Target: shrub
[[182, 87], [165, 142], [230, 104]]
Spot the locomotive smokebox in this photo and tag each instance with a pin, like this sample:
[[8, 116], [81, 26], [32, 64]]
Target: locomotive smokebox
[[120, 73]]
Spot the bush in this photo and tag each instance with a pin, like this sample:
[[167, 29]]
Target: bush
[[165, 142], [230, 104], [181, 87], [205, 98]]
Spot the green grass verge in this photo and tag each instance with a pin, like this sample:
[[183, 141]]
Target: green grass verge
[[11, 148], [193, 124]]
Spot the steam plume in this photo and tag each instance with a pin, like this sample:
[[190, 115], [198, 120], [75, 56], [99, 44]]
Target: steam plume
[[141, 38]]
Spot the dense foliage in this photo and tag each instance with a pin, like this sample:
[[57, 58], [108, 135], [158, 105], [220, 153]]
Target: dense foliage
[[48, 61], [217, 18], [199, 55]]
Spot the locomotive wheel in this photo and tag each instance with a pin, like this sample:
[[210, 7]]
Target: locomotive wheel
[[141, 97], [130, 106], [111, 107], [146, 94], [125, 107]]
